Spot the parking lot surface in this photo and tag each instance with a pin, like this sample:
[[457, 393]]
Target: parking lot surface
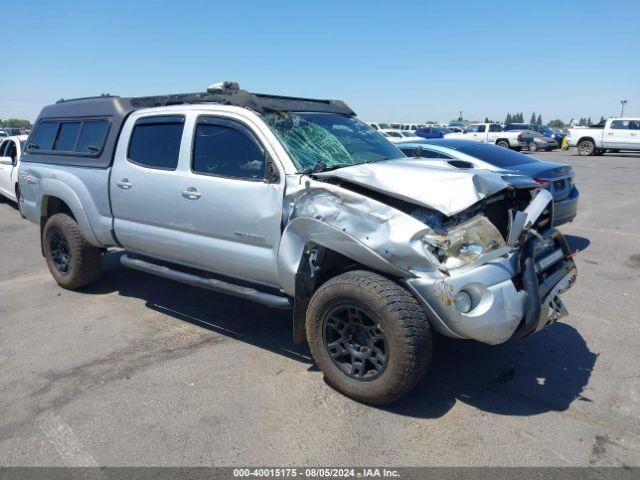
[[137, 370]]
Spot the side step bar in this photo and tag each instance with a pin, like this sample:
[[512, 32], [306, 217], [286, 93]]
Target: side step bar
[[269, 299]]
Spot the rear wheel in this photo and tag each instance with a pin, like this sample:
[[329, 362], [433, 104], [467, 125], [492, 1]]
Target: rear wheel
[[533, 147], [369, 336], [586, 147], [72, 261], [503, 143]]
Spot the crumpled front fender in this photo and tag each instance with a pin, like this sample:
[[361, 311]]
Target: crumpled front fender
[[301, 231]]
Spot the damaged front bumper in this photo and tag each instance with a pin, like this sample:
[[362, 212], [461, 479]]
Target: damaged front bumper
[[511, 296]]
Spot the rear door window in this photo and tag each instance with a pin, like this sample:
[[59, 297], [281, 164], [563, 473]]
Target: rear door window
[[155, 142], [228, 149], [44, 136]]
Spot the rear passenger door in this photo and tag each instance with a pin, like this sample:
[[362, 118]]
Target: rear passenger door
[[618, 135], [144, 185], [230, 201]]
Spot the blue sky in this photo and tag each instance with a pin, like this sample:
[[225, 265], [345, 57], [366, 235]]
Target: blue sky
[[411, 61]]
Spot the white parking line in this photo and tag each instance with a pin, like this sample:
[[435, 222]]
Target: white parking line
[[65, 442]]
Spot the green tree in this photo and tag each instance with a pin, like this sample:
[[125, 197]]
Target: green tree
[[539, 120], [601, 118], [507, 119], [589, 121], [15, 122], [557, 123], [533, 118]]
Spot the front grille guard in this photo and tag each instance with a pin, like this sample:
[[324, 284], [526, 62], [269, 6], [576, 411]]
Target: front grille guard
[[544, 285]]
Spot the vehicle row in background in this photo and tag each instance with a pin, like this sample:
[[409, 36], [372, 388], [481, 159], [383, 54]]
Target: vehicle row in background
[[543, 129], [12, 132], [494, 133]]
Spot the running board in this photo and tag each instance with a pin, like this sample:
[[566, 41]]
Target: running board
[[269, 299]]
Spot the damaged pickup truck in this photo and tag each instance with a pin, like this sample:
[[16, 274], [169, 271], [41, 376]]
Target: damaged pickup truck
[[294, 203]]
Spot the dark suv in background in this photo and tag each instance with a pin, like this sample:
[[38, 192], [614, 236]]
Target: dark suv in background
[[543, 129]]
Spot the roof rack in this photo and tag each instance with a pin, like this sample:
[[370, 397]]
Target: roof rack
[[102, 95], [228, 93]]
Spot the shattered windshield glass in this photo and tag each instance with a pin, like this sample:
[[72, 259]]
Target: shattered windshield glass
[[329, 139]]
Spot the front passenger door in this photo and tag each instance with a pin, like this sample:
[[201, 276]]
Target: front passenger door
[[231, 202]]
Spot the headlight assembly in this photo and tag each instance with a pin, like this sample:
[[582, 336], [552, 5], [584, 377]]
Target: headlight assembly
[[463, 244]]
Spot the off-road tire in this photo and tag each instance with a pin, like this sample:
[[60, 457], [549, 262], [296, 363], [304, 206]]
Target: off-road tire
[[397, 313], [503, 143], [586, 148], [84, 259]]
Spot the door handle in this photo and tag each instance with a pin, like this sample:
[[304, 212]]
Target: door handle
[[124, 184], [609, 133], [191, 193]]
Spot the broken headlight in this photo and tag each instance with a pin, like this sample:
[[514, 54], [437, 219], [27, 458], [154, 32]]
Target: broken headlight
[[463, 244]]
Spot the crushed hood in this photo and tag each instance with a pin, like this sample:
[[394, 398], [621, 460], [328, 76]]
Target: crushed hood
[[441, 188]]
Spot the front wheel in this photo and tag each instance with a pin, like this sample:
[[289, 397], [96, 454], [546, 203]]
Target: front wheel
[[72, 261], [369, 336], [533, 147], [586, 148]]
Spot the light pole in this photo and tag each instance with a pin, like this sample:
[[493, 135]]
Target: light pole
[[460, 116], [622, 104]]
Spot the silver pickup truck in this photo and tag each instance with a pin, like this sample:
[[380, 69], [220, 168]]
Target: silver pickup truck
[[294, 203]]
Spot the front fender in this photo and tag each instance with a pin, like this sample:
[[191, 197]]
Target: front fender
[[302, 230]]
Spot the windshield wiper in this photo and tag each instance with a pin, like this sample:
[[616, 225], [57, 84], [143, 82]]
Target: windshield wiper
[[320, 166]]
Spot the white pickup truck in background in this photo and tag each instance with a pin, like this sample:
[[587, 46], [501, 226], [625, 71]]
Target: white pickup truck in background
[[613, 135], [494, 133]]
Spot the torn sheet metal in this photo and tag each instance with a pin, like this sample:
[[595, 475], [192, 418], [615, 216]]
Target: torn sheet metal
[[444, 189], [392, 234]]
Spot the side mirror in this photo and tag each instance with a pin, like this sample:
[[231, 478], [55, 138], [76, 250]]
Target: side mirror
[[6, 161], [272, 175]]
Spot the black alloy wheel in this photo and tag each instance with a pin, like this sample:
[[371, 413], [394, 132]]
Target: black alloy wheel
[[357, 345], [60, 252]]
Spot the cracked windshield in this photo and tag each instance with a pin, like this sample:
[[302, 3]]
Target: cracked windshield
[[325, 141]]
